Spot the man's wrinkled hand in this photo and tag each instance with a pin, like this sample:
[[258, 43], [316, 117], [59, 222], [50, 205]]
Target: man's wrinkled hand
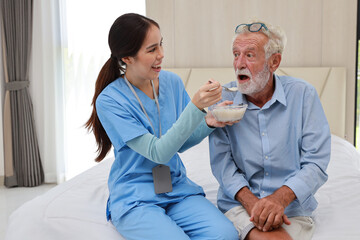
[[268, 214]]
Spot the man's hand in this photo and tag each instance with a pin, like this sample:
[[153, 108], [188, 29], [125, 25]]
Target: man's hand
[[268, 212]]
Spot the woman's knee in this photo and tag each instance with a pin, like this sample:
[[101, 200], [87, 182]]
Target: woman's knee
[[230, 233], [147, 221], [224, 230]]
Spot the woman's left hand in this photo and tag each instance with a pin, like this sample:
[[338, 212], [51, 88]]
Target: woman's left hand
[[212, 122]]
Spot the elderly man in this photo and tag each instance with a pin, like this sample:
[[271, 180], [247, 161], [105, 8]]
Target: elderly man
[[271, 163]]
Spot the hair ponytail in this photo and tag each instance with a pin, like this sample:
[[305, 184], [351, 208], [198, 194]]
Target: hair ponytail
[[108, 73]]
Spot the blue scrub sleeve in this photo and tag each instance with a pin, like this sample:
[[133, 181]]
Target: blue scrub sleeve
[[161, 150]]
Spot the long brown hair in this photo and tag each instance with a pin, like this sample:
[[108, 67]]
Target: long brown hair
[[126, 37]]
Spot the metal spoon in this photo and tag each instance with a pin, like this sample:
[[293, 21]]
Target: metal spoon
[[232, 89]]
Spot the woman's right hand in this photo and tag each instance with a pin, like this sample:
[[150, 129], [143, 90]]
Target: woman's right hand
[[207, 95]]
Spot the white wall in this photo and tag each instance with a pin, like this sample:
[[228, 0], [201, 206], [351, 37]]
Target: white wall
[[320, 33]]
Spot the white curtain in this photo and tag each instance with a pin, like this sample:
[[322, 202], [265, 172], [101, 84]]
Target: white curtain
[[46, 87], [69, 49]]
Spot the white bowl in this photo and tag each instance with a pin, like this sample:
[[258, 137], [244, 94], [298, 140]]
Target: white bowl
[[228, 113]]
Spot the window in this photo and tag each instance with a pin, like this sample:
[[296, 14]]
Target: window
[[85, 25]]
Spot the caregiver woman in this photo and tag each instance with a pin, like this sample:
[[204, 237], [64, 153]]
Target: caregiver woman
[[147, 116]]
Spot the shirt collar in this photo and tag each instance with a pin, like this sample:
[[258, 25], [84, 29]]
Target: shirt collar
[[279, 95]]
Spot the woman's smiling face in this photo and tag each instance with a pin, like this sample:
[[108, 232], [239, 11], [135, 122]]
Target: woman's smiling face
[[146, 64]]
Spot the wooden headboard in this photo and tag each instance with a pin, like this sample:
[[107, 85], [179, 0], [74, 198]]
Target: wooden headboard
[[330, 83]]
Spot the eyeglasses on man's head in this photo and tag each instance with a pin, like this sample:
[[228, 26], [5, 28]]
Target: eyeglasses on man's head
[[252, 27]]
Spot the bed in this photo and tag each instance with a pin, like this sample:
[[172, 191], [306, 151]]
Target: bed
[[76, 209]]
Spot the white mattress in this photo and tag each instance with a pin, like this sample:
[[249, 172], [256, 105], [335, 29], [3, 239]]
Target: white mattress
[[76, 209]]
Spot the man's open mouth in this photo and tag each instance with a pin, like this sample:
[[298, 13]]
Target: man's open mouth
[[243, 77]]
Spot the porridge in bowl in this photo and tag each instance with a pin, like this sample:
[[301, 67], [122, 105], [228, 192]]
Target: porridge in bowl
[[228, 113]]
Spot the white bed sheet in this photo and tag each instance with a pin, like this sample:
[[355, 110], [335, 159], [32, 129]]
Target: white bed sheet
[[76, 209]]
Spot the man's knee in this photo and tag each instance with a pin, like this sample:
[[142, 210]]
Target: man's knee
[[277, 234]]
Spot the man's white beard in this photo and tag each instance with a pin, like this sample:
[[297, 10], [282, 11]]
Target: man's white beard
[[255, 84]]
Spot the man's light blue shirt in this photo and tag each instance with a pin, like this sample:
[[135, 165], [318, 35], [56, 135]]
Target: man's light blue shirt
[[286, 142]]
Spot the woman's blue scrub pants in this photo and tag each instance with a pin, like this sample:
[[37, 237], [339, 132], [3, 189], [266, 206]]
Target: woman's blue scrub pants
[[195, 217]]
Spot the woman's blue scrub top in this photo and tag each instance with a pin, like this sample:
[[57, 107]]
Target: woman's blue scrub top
[[130, 181]]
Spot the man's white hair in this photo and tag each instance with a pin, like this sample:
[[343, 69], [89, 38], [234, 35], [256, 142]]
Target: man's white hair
[[276, 35]]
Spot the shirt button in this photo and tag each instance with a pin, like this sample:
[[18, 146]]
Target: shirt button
[[266, 157], [266, 173], [263, 134], [262, 192]]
